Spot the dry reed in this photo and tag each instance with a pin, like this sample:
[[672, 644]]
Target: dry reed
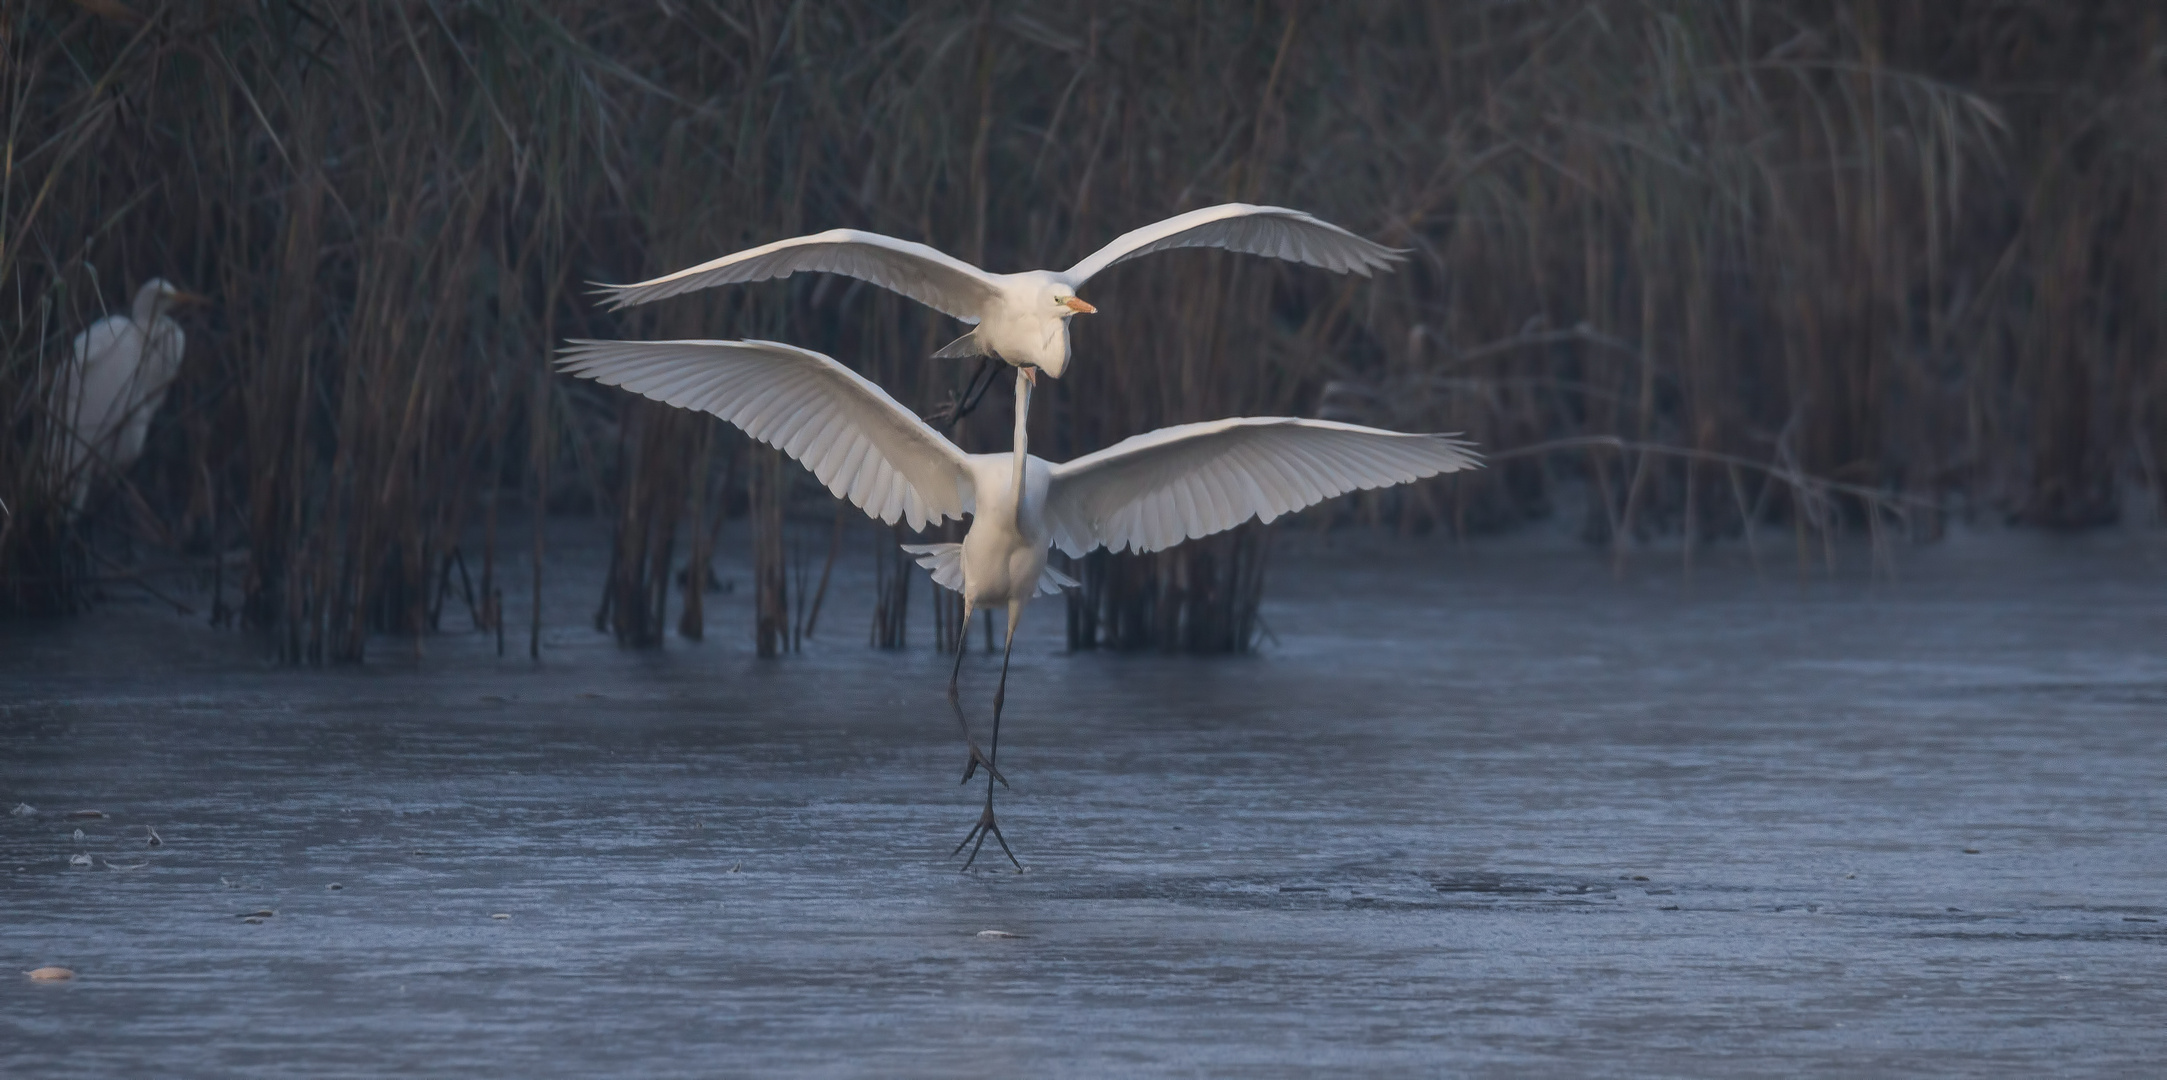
[[1895, 256]]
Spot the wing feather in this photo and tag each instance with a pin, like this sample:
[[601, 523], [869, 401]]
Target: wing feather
[[861, 443], [826, 447], [1295, 476], [1271, 231], [861, 474], [1155, 490], [1149, 517], [1225, 481], [927, 275], [1256, 476], [801, 435], [1206, 501]]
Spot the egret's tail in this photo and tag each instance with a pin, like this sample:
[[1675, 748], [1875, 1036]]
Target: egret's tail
[[946, 563], [1052, 581], [967, 345], [945, 560]]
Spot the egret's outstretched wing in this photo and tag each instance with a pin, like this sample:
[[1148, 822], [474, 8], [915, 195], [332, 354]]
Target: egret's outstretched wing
[[1155, 490], [928, 276], [1274, 231], [860, 442]]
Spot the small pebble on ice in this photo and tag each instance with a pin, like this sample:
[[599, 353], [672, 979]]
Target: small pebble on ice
[[996, 934], [78, 860], [500, 915], [50, 974]]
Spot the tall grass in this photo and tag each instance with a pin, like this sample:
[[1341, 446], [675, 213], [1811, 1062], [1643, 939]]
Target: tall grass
[[1686, 266]]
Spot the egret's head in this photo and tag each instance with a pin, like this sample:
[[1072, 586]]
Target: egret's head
[[1062, 302], [159, 295]]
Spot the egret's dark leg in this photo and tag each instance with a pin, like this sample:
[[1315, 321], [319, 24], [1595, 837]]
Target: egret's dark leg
[[986, 824], [948, 416], [955, 674], [975, 391]]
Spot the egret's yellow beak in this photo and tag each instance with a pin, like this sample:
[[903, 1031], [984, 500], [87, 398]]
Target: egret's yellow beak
[[1077, 305]]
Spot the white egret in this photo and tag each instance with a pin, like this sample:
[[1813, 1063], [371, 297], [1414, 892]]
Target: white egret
[[1144, 493], [1020, 318], [117, 376]]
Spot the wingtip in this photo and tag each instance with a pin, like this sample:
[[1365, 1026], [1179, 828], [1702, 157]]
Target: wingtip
[[1385, 258], [1459, 444], [1378, 257], [614, 294], [573, 350]]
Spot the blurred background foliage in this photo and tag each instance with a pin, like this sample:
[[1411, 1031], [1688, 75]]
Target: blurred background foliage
[[1682, 268]]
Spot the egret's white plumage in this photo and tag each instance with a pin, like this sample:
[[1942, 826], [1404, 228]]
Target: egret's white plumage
[[117, 376], [1144, 493], [1022, 318]]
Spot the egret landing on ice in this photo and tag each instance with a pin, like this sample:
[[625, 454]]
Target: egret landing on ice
[[1143, 493]]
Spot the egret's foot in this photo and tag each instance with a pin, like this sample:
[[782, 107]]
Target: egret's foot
[[951, 412], [978, 757], [985, 827], [947, 414]]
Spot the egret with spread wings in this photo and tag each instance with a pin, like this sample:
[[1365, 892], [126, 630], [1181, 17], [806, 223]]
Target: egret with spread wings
[[1021, 318], [1144, 493]]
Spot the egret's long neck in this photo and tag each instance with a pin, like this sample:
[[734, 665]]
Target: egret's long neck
[[1023, 432], [145, 308]]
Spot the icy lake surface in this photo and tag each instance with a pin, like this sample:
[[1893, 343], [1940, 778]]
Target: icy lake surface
[[1477, 810]]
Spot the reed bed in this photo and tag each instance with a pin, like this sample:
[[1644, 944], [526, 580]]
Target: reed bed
[[1691, 269]]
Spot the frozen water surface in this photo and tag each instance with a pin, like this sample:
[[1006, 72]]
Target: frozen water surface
[[1479, 810]]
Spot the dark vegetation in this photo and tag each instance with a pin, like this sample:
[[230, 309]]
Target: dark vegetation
[[1828, 265]]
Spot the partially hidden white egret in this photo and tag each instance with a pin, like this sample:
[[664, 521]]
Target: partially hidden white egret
[[117, 376], [1144, 493], [1021, 318]]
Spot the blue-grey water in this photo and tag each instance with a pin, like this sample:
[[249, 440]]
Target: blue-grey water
[[1474, 810]]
